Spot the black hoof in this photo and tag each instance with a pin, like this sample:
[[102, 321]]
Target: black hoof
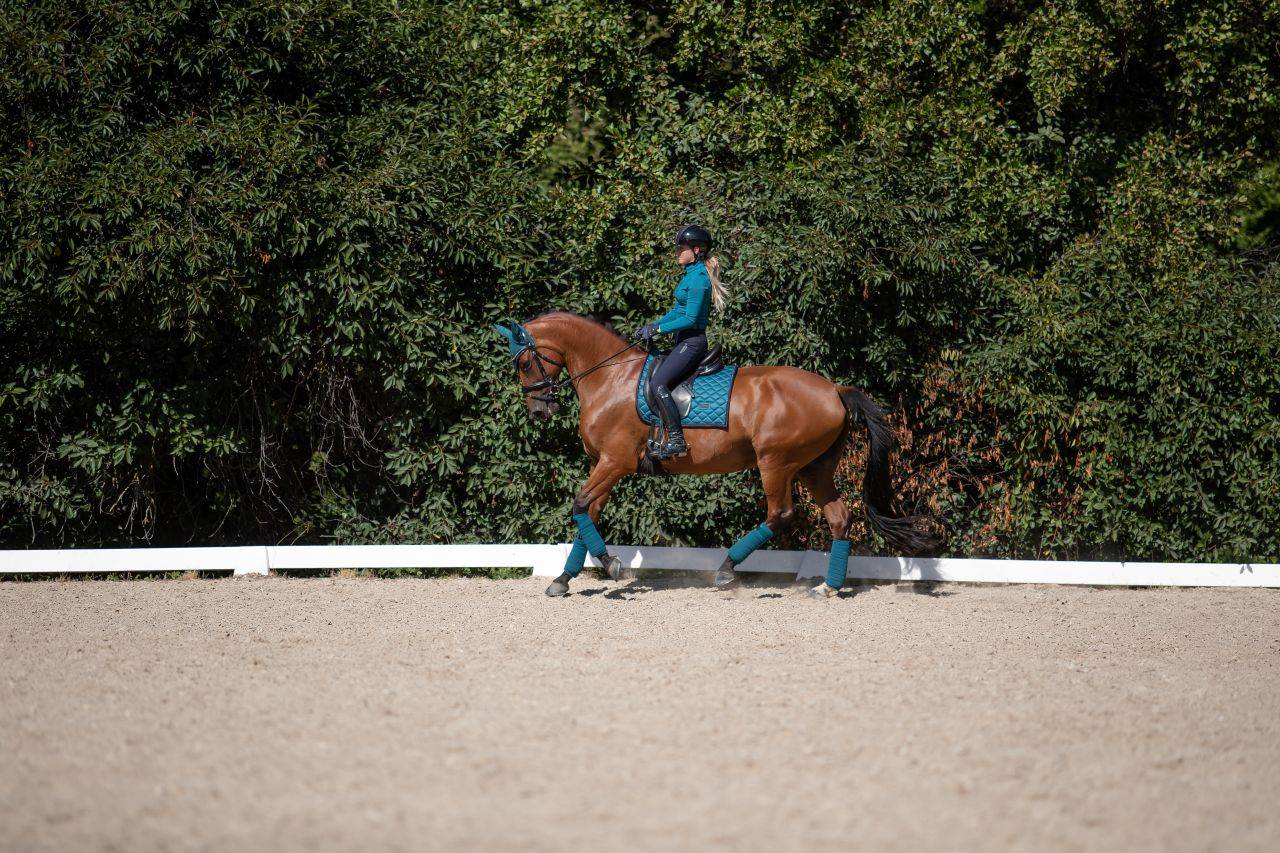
[[725, 575], [612, 565], [560, 586]]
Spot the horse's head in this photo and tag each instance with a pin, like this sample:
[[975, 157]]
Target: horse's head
[[536, 368]]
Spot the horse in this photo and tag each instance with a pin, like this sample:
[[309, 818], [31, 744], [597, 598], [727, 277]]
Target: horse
[[791, 424]]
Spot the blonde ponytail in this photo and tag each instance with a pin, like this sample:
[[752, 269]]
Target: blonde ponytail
[[718, 291]]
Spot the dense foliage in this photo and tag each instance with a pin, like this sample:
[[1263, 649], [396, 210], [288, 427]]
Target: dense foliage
[[250, 253]]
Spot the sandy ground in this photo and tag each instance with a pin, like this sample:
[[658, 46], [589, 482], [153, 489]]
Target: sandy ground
[[453, 713]]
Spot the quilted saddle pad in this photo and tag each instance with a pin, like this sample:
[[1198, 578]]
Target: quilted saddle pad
[[710, 405]]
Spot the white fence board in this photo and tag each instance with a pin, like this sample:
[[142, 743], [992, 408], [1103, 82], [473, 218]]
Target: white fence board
[[243, 559], [547, 560], [415, 556]]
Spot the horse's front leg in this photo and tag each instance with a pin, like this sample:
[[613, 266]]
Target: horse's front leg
[[587, 505]]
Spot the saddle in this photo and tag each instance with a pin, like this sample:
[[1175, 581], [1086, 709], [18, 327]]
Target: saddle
[[683, 393]]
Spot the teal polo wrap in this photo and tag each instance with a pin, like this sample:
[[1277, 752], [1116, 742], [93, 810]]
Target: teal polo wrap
[[577, 557], [588, 533], [753, 540], [838, 563]]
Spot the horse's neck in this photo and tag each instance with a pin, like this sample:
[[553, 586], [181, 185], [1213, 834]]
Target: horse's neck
[[586, 345]]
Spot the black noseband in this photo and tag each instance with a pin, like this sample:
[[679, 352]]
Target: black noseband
[[551, 386]]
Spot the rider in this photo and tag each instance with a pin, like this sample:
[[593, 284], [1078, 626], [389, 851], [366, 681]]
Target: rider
[[687, 321]]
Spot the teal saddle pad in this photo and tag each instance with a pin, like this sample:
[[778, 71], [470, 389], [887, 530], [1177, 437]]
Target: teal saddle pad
[[710, 406]]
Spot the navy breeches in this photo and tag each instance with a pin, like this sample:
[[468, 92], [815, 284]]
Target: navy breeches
[[681, 361]]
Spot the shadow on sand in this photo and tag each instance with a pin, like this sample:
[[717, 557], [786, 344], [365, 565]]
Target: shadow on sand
[[933, 589], [751, 586]]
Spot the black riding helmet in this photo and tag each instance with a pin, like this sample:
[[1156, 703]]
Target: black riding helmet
[[694, 235]]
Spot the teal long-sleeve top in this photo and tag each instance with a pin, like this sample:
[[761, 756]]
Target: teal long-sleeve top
[[693, 301]]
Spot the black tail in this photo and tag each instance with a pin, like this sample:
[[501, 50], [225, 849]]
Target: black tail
[[877, 490]]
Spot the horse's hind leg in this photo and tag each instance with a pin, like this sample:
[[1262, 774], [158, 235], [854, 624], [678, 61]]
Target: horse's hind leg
[[778, 482], [820, 482]]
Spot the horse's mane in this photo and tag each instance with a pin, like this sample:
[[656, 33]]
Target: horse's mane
[[599, 321]]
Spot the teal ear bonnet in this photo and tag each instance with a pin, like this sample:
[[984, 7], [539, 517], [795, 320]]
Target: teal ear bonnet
[[518, 337]]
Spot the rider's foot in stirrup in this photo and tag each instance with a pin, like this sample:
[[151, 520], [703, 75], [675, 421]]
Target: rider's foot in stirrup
[[673, 447]]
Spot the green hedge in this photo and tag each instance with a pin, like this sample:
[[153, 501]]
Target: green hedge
[[250, 253]]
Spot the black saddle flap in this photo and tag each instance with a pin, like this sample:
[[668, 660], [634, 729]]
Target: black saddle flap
[[711, 362]]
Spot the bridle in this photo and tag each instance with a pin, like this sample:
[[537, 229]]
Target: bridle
[[546, 383]]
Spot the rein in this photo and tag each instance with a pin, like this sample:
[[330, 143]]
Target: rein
[[553, 385]]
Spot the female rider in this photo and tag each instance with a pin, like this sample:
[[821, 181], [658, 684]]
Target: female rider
[[687, 321]]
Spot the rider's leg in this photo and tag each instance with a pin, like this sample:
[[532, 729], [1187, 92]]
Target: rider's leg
[[670, 415], [681, 361], [675, 368], [778, 482]]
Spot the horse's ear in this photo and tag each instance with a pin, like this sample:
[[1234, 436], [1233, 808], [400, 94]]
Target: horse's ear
[[522, 335], [515, 337], [507, 333]]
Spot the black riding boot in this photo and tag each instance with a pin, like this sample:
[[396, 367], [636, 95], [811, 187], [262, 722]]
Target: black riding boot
[[670, 415]]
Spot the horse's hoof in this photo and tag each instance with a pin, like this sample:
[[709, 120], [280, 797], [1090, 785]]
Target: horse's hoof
[[725, 575], [560, 586], [613, 566], [822, 592]]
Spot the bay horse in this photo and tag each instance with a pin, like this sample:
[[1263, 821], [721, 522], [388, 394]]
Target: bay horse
[[788, 422]]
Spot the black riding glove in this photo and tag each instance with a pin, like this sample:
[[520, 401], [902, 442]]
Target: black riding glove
[[646, 332]]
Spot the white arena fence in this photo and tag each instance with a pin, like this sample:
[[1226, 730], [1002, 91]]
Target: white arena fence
[[547, 561]]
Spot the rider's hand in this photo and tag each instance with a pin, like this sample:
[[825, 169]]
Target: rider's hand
[[645, 332]]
